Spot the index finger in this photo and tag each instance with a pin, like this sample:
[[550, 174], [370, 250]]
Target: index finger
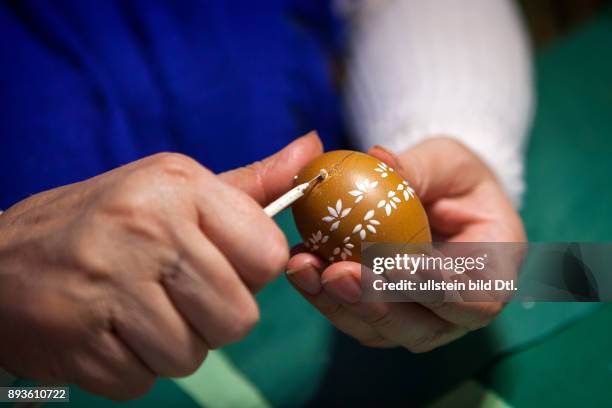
[[249, 239], [431, 167]]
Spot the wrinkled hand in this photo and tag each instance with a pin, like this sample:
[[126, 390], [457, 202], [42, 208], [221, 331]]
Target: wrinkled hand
[[464, 203], [134, 274]]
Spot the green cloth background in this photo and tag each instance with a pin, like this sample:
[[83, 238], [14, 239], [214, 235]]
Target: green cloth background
[[569, 199], [556, 354]]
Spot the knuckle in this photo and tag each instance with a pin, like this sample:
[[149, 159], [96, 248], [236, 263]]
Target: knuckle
[[176, 165], [136, 388], [274, 258], [243, 322], [83, 250], [118, 389], [130, 199], [144, 224], [257, 169], [247, 319], [188, 365], [173, 269]]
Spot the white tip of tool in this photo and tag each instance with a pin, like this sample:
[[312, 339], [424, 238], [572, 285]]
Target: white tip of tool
[[323, 174]]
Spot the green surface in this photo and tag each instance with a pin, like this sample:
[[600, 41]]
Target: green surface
[[569, 196], [571, 369], [209, 385], [570, 152]]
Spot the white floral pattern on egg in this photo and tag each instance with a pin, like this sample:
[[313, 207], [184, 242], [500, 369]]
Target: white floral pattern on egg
[[361, 200]]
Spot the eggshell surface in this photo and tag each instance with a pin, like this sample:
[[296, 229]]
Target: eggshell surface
[[362, 199]]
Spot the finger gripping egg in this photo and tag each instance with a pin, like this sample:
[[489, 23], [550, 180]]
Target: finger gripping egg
[[362, 199]]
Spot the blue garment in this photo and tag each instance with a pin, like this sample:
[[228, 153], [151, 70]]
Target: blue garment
[[86, 86]]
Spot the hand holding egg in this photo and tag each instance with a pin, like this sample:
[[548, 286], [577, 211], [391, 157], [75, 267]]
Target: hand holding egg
[[464, 202]]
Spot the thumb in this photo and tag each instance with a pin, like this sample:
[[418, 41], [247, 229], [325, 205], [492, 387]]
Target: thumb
[[266, 180], [437, 167], [413, 165], [408, 171]]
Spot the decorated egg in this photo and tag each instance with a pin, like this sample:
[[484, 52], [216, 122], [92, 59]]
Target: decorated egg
[[362, 199]]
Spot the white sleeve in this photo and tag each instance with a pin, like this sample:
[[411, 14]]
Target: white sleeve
[[418, 69]]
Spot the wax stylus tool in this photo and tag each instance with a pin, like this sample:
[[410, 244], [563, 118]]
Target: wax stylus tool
[[293, 195]]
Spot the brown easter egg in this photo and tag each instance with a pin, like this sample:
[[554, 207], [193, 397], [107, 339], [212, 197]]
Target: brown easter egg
[[361, 200]]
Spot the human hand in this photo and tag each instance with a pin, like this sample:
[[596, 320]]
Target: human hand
[[137, 273], [464, 203]]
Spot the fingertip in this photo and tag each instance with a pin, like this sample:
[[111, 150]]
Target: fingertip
[[305, 148], [304, 272], [300, 259], [403, 163], [342, 281], [267, 179], [313, 139], [340, 269], [386, 155]]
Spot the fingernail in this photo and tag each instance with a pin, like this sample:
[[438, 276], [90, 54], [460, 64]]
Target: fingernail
[[307, 278], [395, 161], [345, 287]]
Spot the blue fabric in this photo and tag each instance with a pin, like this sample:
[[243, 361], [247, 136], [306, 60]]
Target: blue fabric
[[86, 86]]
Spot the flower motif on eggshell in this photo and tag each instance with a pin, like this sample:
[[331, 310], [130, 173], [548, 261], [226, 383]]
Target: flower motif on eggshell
[[343, 251], [316, 240], [389, 203], [336, 214], [368, 226], [383, 169], [406, 190], [363, 186]]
